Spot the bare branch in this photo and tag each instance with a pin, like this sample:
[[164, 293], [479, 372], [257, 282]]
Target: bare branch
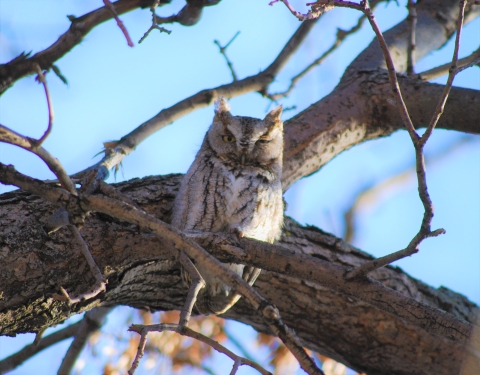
[[259, 254], [223, 51], [30, 350], [190, 14], [340, 37], [316, 10], [91, 322], [418, 142], [259, 82], [144, 329], [372, 194], [100, 285], [197, 283], [120, 24], [9, 136], [452, 72], [154, 23], [23, 65]]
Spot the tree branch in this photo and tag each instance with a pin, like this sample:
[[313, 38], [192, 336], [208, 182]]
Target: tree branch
[[168, 234], [465, 63], [142, 273], [118, 150], [144, 329], [91, 323], [24, 65], [9, 136]]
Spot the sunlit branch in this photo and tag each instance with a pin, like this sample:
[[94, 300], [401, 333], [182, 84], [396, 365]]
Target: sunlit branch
[[259, 82], [465, 63], [418, 142]]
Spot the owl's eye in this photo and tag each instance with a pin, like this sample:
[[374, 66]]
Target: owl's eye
[[263, 140], [228, 138]]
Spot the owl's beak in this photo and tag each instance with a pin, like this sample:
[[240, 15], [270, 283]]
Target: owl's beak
[[242, 159]]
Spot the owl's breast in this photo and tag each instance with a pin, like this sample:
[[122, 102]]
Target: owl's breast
[[254, 205]]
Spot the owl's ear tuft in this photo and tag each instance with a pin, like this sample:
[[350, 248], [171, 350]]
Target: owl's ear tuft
[[222, 111], [221, 105], [274, 116]]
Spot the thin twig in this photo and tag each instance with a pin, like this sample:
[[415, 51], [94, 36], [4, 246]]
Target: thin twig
[[317, 9], [9, 136], [236, 365], [99, 285], [120, 24], [24, 64], [371, 195], [154, 23], [465, 63], [144, 329], [223, 51], [452, 73], [43, 81], [418, 142], [340, 37], [258, 82], [412, 25]]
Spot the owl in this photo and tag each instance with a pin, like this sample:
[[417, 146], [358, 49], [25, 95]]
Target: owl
[[233, 185]]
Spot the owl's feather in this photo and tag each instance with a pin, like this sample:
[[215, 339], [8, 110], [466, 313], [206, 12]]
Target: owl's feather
[[233, 185]]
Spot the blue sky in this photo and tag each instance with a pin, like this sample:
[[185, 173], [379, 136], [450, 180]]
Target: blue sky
[[113, 88]]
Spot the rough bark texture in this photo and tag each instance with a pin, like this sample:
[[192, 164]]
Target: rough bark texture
[[143, 274]]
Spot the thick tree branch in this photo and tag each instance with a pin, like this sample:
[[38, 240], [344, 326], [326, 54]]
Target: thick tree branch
[[180, 242], [127, 258]]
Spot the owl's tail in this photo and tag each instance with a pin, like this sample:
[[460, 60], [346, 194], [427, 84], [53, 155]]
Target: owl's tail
[[207, 304]]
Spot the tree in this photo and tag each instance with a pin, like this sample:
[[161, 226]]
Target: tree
[[375, 320]]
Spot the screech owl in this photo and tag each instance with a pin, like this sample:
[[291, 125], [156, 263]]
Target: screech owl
[[233, 185]]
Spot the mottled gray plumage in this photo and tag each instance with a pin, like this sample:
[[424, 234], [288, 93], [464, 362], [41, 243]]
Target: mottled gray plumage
[[233, 185]]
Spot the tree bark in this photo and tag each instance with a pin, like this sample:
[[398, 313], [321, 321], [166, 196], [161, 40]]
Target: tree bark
[[142, 273]]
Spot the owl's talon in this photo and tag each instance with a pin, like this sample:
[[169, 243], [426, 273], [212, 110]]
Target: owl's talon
[[238, 232]]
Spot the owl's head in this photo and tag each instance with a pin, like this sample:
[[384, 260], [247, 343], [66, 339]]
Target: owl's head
[[247, 140]]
